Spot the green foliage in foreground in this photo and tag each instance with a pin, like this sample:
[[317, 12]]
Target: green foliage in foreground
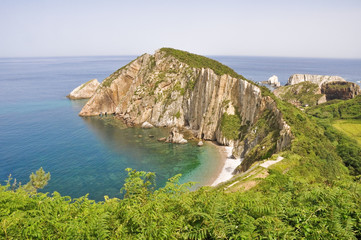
[[198, 61], [282, 207]]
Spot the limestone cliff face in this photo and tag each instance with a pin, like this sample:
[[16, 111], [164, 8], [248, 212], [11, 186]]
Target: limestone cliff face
[[85, 90], [165, 91], [316, 79]]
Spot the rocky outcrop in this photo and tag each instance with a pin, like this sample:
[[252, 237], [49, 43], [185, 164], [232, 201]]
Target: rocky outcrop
[[175, 137], [147, 125], [85, 90], [316, 79], [309, 90], [340, 90], [273, 81], [166, 91]]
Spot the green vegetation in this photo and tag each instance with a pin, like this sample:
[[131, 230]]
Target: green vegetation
[[177, 115], [338, 85], [350, 127], [338, 109], [197, 61], [330, 116], [230, 125], [302, 93], [280, 207], [266, 129]]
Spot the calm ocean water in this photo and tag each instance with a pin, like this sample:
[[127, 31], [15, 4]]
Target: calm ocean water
[[39, 127]]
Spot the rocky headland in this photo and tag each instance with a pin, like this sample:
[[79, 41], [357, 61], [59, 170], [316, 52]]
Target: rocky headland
[[173, 88], [304, 90], [86, 90]]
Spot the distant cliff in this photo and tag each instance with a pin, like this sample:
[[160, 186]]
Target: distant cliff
[[316, 79], [176, 88], [310, 90]]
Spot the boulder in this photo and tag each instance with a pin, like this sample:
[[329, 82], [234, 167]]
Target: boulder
[[85, 90], [175, 136], [200, 143], [147, 125]]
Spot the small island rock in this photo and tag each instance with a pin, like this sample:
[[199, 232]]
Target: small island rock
[[273, 81], [175, 136], [85, 90]]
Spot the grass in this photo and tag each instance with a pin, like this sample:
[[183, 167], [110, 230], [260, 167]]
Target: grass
[[230, 125], [350, 127], [197, 61], [304, 93]]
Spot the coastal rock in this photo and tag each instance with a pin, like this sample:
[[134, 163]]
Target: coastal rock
[[316, 90], [147, 125], [340, 90], [162, 139], [316, 79], [200, 144], [273, 81], [169, 92], [85, 90], [175, 137]]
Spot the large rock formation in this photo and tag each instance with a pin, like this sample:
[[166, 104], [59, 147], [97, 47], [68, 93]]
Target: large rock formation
[[340, 90], [85, 90], [177, 89], [316, 79]]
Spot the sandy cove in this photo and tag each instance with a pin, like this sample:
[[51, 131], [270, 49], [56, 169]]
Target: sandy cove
[[226, 167]]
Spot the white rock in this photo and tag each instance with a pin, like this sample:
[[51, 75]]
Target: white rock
[[85, 90], [175, 136], [316, 79], [200, 144], [147, 125], [273, 81]]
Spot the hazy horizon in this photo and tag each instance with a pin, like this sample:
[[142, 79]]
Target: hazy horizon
[[279, 28]]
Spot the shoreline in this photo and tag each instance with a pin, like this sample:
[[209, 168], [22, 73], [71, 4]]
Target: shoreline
[[226, 167]]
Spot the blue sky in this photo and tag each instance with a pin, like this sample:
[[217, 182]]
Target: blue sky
[[307, 28]]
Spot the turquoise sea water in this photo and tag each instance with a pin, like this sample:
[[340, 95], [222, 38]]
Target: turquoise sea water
[[39, 127]]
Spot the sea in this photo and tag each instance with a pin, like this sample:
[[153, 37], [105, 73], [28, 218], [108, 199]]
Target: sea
[[40, 127]]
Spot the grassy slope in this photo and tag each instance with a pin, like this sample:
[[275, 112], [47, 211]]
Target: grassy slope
[[334, 113], [351, 128], [302, 93], [198, 61]]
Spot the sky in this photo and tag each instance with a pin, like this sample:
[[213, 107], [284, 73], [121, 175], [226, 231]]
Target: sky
[[288, 28]]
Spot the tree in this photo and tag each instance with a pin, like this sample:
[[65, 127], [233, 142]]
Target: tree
[[38, 180]]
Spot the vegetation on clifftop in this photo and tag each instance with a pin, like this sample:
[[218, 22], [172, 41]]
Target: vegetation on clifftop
[[198, 61], [303, 93]]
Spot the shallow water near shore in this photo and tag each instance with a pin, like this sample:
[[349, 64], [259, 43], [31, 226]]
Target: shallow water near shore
[[39, 127]]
